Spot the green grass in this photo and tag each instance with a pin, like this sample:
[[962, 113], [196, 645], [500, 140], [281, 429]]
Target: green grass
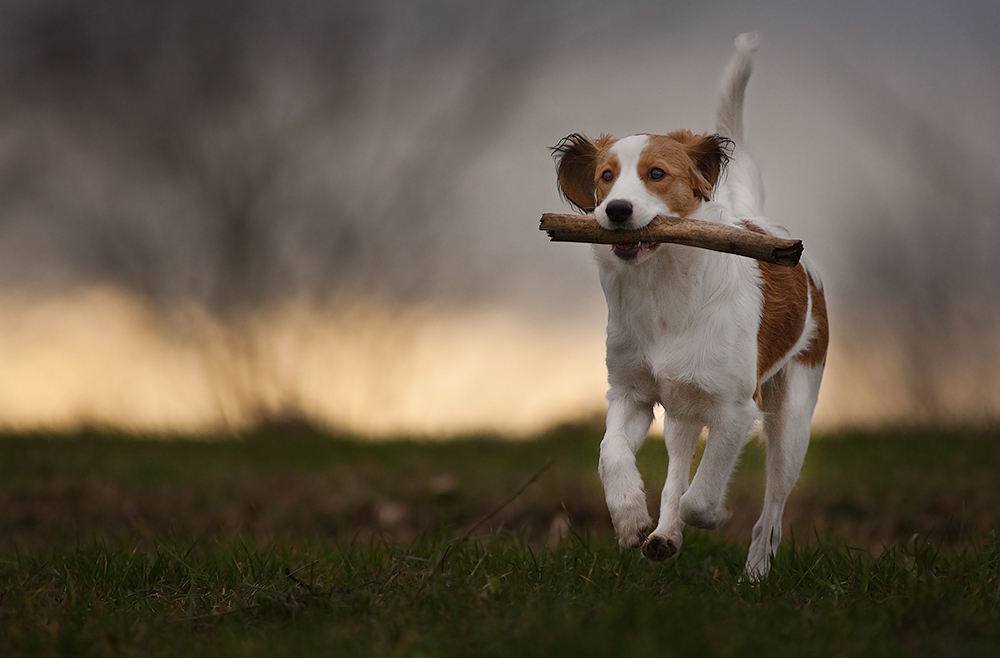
[[291, 544], [496, 599]]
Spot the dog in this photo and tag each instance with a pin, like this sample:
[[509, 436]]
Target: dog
[[719, 341]]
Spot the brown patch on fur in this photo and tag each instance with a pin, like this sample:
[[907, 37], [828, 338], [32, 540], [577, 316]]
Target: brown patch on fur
[[606, 161], [576, 168], [815, 354], [683, 183], [783, 317], [708, 153], [786, 293], [692, 164]]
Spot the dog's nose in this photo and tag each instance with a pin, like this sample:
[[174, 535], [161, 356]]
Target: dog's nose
[[619, 211]]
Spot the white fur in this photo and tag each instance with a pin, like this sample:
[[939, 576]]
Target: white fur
[[682, 333], [628, 187]]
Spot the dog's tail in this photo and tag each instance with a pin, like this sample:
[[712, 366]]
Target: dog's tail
[[743, 187], [729, 118]]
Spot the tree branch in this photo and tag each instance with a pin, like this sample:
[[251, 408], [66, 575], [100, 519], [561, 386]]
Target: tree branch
[[691, 232]]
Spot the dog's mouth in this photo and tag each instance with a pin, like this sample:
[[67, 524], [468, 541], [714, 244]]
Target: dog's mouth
[[633, 250]]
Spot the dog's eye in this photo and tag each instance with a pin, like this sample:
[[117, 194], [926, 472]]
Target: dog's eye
[[607, 176], [656, 173]]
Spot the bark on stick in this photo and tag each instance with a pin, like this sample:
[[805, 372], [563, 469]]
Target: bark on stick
[[691, 232]]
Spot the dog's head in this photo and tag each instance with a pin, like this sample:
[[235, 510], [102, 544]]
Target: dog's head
[[629, 181]]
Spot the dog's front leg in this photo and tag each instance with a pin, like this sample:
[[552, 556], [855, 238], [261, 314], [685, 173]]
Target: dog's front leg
[[681, 439], [627, 427], [704, 503]]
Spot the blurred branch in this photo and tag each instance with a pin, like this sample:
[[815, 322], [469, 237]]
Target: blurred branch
[[239, 152], [303, 148]]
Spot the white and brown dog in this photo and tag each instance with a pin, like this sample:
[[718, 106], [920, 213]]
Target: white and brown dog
[[718, 340]]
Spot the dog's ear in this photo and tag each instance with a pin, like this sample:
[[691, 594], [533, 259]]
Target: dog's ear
[[576, 169], [710, 154]]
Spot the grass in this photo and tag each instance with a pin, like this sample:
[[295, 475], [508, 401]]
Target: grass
[[295, 543]]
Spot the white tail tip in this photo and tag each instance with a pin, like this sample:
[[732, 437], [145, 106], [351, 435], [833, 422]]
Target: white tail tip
[[747, 42]]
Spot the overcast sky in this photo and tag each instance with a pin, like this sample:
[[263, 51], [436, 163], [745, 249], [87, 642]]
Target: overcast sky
[[401, 144], [237, 153]]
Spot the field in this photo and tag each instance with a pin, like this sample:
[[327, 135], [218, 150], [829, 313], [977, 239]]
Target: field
[[291, 542]]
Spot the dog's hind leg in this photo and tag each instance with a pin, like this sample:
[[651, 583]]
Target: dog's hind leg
[[627, 427], [681, 439], [788, 399]]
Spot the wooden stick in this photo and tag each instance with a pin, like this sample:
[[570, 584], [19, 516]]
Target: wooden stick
[[691, 232]]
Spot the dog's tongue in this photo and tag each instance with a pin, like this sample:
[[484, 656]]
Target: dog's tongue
[[627, 251]]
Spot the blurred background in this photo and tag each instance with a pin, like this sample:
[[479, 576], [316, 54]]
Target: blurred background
[[220, 214]]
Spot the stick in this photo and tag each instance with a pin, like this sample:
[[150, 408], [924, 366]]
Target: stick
[[439, 566], [691, 232], [510, 499]]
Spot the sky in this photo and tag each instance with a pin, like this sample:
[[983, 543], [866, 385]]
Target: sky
[[217, 213]]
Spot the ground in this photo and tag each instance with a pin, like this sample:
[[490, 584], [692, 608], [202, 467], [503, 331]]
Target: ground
[[289, 539]]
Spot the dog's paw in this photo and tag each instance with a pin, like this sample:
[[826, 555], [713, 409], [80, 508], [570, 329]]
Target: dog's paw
[[629, 515], [759, 556], [757, 569], [633, 534], [659, 548], [631, 527], [701, 515]]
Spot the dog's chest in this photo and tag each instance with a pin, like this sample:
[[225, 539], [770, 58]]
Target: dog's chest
[[682, 337]]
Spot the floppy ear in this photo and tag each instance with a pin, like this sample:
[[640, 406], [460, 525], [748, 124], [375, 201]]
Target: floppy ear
[[710, 154], [576, 169]]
